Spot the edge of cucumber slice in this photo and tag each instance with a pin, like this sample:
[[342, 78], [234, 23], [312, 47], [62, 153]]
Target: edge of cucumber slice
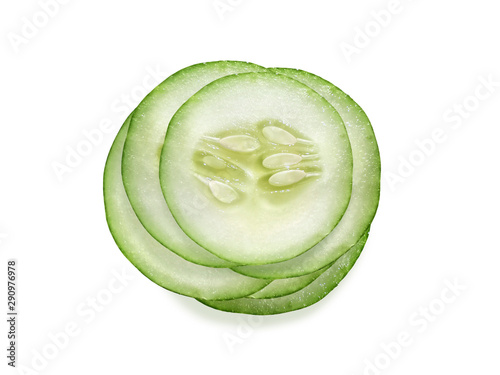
[[307, 296], [284, 287]]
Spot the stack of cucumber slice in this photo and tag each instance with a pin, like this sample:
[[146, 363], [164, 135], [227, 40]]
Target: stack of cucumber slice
[[249, 189]]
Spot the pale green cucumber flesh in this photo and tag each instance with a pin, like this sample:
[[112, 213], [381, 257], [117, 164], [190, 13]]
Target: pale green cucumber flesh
[[305, 297], [230, 145], [142, 149], [154, 260], [365, 192]]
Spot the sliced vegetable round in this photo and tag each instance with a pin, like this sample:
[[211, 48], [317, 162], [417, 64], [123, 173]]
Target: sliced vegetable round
[[249, 189], [254, 214]]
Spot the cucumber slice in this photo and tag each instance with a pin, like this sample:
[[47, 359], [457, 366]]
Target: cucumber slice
[[241, 168], [309, 295], [141, 156], [365, 192], [229, 146], [154, 260]]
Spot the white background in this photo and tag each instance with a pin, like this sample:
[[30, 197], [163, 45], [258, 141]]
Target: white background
[[438, 225]]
